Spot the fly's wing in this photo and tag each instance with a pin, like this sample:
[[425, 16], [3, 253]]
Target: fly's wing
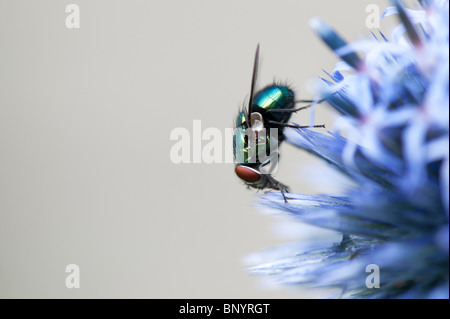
[[252, 89]]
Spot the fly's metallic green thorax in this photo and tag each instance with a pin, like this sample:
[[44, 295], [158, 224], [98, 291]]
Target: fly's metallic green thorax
[[240, 121], [248, 152]]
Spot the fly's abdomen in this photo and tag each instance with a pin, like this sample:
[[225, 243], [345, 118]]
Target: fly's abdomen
[[275, 97]]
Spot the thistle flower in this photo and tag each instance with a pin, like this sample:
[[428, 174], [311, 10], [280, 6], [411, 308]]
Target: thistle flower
[[393, 95]]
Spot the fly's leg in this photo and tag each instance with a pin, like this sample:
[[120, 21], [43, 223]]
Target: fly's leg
[[289, 111], [282, 193], [295, 125], [278, 186]]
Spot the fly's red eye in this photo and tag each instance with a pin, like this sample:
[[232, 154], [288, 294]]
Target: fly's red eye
[[247, 174]]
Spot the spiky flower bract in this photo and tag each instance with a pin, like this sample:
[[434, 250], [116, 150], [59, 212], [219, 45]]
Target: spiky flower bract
[[393, 97]]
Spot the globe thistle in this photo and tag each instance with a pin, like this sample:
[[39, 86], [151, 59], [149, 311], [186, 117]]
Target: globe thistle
[[392, 142]]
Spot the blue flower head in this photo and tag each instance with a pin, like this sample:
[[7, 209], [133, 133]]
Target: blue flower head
[[393, 97]]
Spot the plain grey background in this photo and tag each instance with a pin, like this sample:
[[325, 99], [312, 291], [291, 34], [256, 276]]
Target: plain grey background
[[85, 119]]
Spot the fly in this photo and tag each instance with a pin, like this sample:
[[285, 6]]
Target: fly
[[259, 132]]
